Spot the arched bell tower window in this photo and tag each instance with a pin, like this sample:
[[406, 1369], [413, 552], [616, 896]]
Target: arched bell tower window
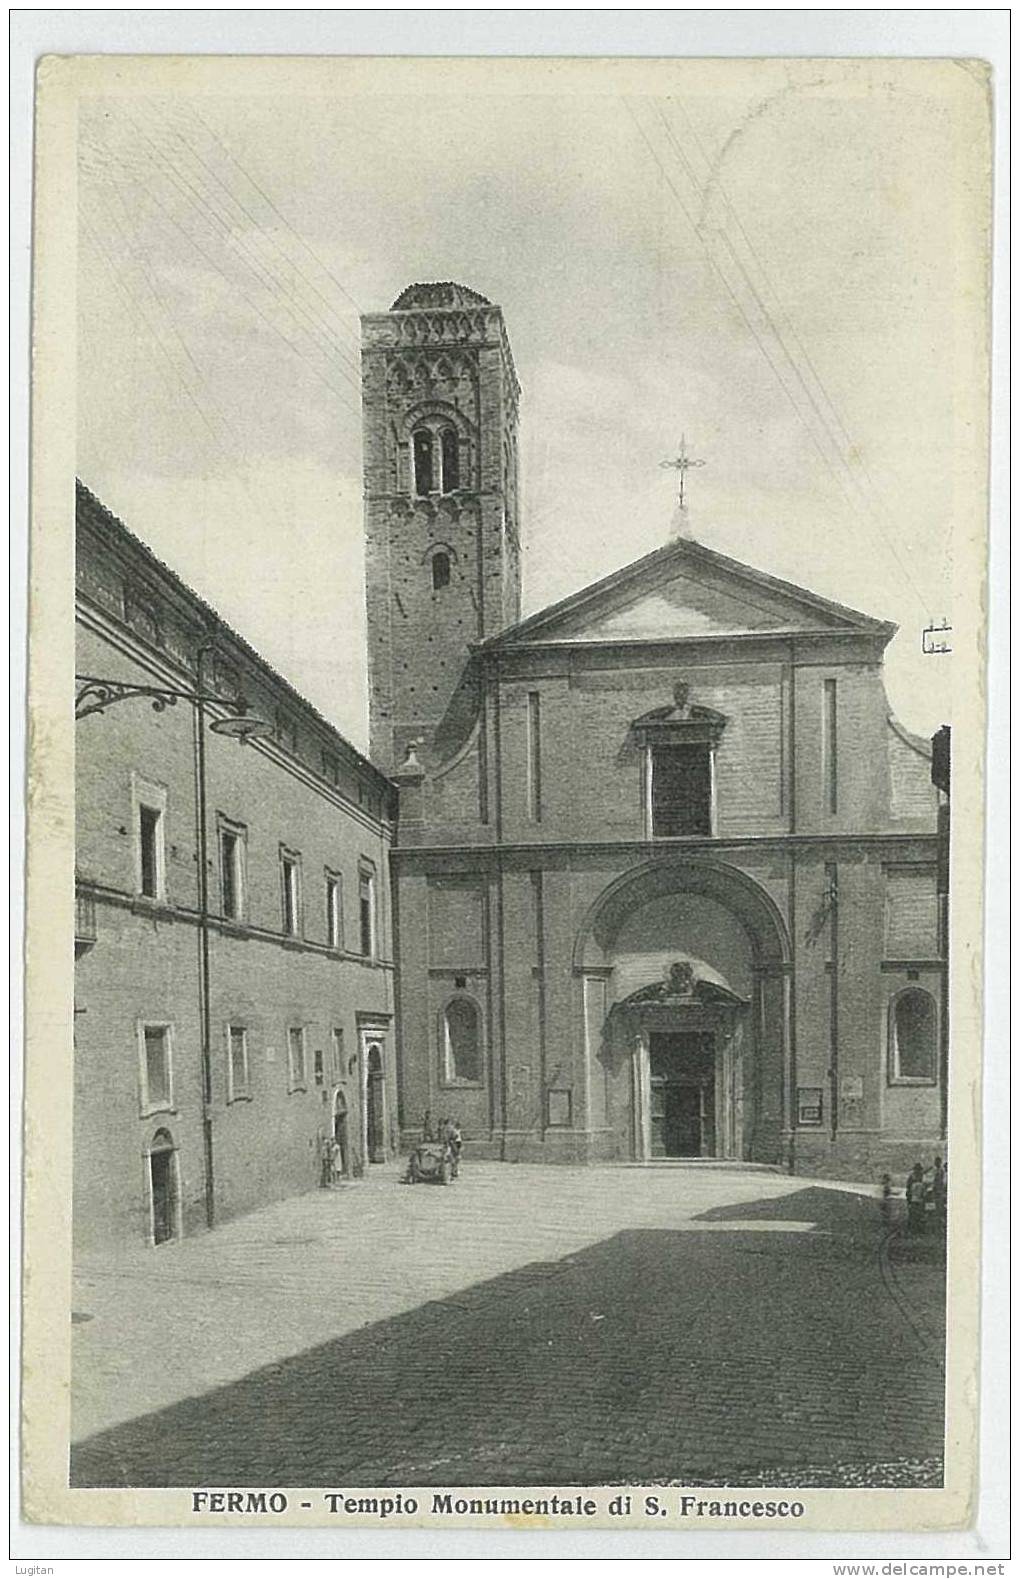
[[423, 467], [440, 571], [435, 456], [451, 460]]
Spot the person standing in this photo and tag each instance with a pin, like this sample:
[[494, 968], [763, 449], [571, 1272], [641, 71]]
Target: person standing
[[940, 1196], [887, 1205], [916, 1191]]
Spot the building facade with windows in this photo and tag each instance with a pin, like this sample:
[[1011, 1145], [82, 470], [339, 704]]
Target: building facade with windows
[[666, 873], [225, 1030]]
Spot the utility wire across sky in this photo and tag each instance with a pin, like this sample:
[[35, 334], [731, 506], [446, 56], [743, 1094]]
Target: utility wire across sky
[[792, 368]]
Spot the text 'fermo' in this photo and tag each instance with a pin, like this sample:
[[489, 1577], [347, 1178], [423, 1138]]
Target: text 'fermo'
[[339, 1502]]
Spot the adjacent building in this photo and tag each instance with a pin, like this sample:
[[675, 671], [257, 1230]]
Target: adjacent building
[[666, 874], [231, 1021]]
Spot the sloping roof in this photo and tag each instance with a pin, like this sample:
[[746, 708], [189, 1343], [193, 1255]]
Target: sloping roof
[[915, 742], [91, 510], [437, 293], [659, 596]]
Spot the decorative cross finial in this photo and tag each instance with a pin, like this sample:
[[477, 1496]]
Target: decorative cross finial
[[681, 465]]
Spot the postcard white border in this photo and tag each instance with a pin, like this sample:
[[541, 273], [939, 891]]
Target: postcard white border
[[981, 34]]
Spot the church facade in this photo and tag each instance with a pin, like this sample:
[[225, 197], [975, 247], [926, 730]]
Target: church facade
[[664, 883]]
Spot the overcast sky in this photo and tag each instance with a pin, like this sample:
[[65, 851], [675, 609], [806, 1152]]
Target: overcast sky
[[778, 261]]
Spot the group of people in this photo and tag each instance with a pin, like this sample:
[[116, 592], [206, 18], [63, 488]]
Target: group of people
[[927, 1196], [446, 1132]]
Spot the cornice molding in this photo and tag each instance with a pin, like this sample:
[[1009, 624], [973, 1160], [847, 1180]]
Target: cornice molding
[[169, 912], [163, 668], [667, 849]]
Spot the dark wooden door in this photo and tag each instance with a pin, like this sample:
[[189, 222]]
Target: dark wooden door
[[683, 1130], [375, 1103], [682, 1067], [161, 1170]]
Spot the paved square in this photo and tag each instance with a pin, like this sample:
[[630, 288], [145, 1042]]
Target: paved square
[[527, 1325]]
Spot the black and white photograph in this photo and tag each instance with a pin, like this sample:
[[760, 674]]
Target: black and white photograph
[[525, 518]]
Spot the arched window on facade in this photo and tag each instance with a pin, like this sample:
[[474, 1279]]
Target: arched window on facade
[[421, 443], [461, 1038], [912, 1036], [440, 571], [451, 460]]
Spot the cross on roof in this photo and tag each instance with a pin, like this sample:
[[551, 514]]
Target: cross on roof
[[681, 465]]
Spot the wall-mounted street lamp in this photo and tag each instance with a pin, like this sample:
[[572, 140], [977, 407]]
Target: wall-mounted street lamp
[[95, 695]]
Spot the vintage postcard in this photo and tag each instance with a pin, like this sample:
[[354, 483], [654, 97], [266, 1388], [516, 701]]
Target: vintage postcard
[[513, 535]]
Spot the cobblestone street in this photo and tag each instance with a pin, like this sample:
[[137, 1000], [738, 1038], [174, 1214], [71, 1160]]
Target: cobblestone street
[[526, 1326]]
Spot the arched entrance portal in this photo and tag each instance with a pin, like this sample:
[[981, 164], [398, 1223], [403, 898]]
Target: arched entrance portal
[[683, 968], [685, 1036]]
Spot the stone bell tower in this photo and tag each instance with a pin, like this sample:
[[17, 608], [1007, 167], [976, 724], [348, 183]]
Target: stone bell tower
[[440, 398]]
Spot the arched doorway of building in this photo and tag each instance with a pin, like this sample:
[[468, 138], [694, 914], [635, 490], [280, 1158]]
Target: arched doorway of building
[[341, 1136], [375, 1103], [163, 1187], [683, 968]]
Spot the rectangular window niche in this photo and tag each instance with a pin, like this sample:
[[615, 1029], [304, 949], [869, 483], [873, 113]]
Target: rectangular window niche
[[534, 757], [558, 1109], [830, 749]]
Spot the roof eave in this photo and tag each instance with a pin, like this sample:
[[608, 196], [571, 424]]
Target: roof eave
[[855, 619], [878, 630]]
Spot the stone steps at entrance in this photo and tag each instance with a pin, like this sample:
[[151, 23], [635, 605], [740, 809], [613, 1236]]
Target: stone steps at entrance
[[732, 1164]]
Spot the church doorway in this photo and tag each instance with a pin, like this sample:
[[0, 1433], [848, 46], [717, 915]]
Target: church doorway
[[684, 973], [682, 1079]]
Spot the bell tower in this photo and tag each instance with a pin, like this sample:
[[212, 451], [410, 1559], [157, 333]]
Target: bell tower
[[440, 398]]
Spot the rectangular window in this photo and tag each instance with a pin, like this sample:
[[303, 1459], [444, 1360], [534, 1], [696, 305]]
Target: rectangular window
[[285, 730], [681, 790], [226, 678], [157, 1072], [149, 814], [534, 757], [290, 892], [296, 1058], [829, 747], [233, 869], [238, 1086], [319, 1067], [911, 913], [334, 910], [141, 615], [338, 1053], [150, 821], [366, 907]]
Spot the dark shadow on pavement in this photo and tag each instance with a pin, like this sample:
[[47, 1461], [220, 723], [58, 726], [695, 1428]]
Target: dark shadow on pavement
[[840, 1211], [652, 1356]]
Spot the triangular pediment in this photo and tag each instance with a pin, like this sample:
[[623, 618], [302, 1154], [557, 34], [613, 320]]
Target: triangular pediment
[[682, 606], [686, 592]]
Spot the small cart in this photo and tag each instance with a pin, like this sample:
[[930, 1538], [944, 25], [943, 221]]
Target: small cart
[[432, 1162]]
